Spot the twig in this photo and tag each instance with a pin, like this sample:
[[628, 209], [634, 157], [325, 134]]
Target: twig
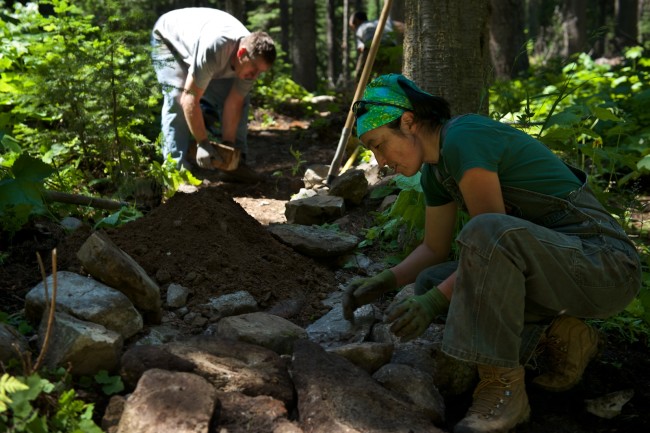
[[52, 308]]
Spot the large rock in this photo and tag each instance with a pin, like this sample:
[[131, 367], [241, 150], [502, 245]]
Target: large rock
[[336, 396], [234, 366], [84, 347], [262, 329], [352, 186], [169, 402], [314, 241], [317, 210], [109, 264], [88, 300]]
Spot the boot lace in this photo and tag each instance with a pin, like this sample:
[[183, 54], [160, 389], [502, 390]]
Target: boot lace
[[491, 394]]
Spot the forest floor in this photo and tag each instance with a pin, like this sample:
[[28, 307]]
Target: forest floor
[[207, 242]]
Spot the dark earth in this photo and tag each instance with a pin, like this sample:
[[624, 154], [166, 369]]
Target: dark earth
[[214, 241]]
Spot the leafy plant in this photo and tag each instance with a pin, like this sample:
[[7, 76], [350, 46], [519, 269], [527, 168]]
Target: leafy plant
[[21, 192], [35, 404]]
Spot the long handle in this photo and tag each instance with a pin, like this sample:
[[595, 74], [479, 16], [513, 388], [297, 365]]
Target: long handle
[[363, 80]]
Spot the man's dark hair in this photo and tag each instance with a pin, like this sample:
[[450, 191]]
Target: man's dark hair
[[260, 44], [360, 17]]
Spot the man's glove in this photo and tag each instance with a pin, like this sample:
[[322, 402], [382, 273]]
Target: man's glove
[[205, 153], [365, 290], [411, 317]]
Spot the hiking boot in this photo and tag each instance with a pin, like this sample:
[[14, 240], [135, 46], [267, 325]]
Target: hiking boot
[[499, 401], [569, 346]]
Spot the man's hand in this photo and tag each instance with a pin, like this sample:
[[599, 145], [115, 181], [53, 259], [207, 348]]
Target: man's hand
[[410, 317], [365, 290], [205, 153]]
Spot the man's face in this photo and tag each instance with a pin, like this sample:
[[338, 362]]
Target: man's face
[[248, 68]]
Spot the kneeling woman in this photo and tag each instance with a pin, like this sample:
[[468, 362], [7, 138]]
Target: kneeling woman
[[539, 248]]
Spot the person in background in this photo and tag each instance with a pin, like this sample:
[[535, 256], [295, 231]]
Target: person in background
[[206, 62], [364, 32], [538, 254]]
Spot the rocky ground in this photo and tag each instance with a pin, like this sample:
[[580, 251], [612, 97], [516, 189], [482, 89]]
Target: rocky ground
[[211, 241]]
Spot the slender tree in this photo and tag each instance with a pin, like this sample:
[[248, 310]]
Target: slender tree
[[507, 39], [627, 24], [446, 50], [574, 27], [333, 53], [303, 43]]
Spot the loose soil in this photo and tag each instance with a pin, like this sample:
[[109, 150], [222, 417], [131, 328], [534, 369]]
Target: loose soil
[[214, 241]]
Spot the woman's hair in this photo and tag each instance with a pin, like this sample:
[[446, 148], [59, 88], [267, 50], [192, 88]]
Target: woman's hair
[[428, 110], [260, 44]]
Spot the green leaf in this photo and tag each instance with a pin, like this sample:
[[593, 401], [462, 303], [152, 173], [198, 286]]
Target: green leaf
[[27, 167], [644, 163], [604, 114]]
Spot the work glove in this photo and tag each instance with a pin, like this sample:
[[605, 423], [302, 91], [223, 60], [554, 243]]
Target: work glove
[[410, 317], [365, 290], [205, 153]]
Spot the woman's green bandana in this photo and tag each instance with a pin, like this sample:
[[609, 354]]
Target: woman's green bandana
[[383, 101]]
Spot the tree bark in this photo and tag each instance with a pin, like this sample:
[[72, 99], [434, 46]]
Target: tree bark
[[627, 24], [303, 48], [284, 25], [507, 39], [237, 8], [331, 43], [446, 51], [574, 27]]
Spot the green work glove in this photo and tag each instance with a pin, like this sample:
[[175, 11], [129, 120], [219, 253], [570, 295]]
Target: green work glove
[[411, 317], [365, 290], [205, 153]]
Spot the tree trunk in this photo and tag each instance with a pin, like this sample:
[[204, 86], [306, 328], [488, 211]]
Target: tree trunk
[[284, 25], [644, 17], [331, 43], [344, 78], [574, 27], [237, 8], [507, 40], [627, 24], [446, 50], [303, 45]]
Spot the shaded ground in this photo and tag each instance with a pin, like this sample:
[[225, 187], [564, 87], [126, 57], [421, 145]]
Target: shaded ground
[[214, 241]]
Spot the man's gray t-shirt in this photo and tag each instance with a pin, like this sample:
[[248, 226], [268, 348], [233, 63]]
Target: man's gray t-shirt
[[205, 39]]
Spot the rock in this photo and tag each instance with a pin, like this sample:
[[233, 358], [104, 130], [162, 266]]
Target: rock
[[610, 405], [177, 295], [262, 329], [88, 300], [137, 360], [259, 413], [166, 402], [314, 241], [367, 355], [317, 210], [86, 347], [365, 406], [235, 366], [352, 185], [113, 413], [332, 330], [12, 344], [416, 387], [109, 264], [315, 175], [232, 304]]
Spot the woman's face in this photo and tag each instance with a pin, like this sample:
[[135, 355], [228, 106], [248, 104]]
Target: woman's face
[[397, 149]]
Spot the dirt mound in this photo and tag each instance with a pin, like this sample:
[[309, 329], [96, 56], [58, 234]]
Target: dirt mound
[[207, 242]]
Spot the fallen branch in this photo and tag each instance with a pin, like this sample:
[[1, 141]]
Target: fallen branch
[[102, 203]]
